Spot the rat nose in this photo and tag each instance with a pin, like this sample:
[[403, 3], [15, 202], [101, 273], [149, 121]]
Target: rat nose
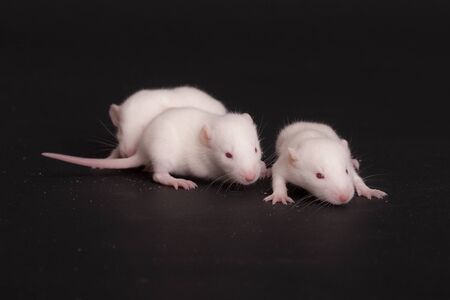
[[343, 198], [249, 176]]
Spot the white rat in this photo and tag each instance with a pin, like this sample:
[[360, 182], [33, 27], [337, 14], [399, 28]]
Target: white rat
[[312, 156], [132, 116], [191, 142]]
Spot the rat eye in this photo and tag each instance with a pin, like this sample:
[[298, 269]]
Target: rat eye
[[256, 150], [320, 176], [346, 171], [229, 155]]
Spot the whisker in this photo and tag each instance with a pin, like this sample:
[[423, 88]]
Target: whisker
[[223, 183], [302, 200], [271, 159], [310, 203], [106, 138], [107, 129], [233, 182], [374, 175], [215, 180], [104, 149], [322, 205], [102, 142]]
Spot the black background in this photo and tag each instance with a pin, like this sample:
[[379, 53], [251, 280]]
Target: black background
[[378, 71]]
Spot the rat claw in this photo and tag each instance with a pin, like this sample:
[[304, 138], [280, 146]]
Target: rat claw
[[283, 198], [378, 194], [369, 193], [176, 183], [268, 198], [187, 184]]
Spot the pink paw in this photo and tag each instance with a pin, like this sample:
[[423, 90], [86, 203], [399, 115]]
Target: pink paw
[[275, 198], [369, 193], [265, 172], [183, 183]]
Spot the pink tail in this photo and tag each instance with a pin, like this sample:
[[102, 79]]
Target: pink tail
[[100, 163]]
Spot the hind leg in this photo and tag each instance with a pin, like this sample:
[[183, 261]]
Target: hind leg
[[163, 160], [169, 180], [115, 153]]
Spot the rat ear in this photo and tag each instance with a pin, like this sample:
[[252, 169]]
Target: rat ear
[[114, 114], [205, 135], [248, 117], [293, 156]]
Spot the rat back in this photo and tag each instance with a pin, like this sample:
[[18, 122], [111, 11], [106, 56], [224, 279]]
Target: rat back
[[187, 96], [294, 134], [172, 142], [143, 106]]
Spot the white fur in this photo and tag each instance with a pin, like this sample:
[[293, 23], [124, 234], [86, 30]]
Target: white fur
[[132, 116], [175, 142], [192, 142], [305, 149]]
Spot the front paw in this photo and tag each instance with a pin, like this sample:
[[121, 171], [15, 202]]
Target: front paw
[[265, 172], [275, 198], [369, 193]]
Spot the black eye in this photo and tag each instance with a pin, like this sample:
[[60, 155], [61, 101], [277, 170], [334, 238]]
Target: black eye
[[320, 176], [346, 171], [229, 155], [256, 150]]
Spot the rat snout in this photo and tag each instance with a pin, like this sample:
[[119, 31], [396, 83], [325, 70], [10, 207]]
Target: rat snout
[[248, 173], [342, 193], [343, 198], [249, 176]]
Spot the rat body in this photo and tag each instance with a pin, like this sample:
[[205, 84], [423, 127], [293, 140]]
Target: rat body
[[132, 116], [191, 142], [314, 157]]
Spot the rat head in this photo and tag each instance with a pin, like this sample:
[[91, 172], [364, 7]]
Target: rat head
[[127, 146], [234, 142], [323, 167]]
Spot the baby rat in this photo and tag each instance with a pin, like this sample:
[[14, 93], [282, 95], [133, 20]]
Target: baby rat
[[191, 142], [312, 156], [139, 109]]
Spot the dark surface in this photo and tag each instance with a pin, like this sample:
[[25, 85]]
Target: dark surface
[[377, 72]]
